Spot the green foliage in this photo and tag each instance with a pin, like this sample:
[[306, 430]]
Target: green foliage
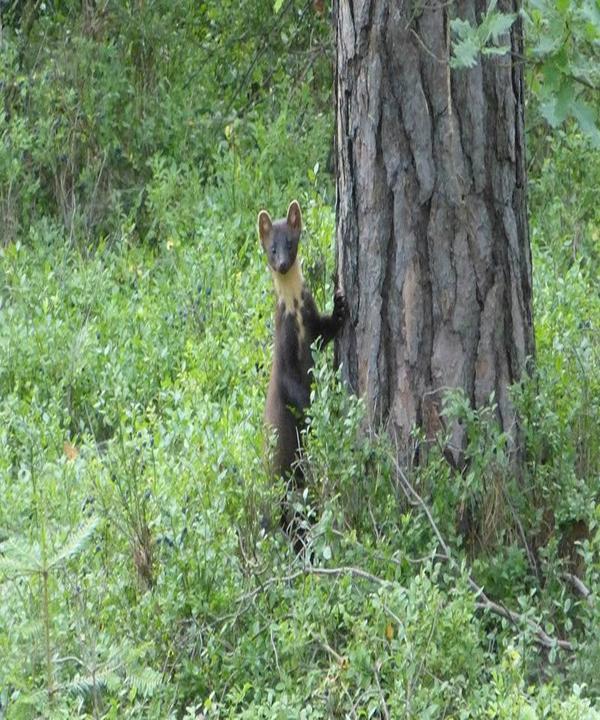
[[562, 58], [137, 579], [480, 39], [566, 256], [96, 96], [134, 399], [564, 38]]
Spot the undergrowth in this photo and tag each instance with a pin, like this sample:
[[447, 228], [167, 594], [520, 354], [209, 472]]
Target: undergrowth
[[137, 578]]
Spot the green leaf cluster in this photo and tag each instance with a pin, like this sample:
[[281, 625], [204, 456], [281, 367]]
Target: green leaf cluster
[[564, 51], [561, 56], [142, 572], [482, 38]]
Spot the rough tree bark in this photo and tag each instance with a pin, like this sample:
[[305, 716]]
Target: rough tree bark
[[432, 236]]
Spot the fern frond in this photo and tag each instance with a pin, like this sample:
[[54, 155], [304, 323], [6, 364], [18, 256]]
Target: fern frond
[[74, 545], [145, 681], [18, 557]]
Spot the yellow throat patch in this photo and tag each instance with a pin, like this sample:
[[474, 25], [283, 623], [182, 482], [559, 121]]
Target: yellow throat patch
[[289, 288]]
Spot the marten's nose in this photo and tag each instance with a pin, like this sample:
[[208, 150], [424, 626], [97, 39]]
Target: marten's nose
[[282, 266]]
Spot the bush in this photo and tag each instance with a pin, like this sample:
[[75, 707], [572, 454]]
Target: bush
[[139, 142]]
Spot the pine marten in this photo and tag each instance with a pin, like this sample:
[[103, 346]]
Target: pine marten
[[297, 325]]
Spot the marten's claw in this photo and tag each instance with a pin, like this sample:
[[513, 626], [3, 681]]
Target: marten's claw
[[340, 306]]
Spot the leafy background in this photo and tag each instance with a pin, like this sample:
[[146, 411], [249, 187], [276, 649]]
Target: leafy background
[[140, 571]]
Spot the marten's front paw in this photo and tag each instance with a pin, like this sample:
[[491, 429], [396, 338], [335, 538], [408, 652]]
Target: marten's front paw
[[340, 307]]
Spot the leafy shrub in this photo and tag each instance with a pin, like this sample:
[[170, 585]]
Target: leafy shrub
[[96, 96], [136, 577]]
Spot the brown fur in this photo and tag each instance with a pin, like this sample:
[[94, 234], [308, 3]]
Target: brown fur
[[297, 325]]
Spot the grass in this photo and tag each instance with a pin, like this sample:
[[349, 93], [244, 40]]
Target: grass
[[137, 578]]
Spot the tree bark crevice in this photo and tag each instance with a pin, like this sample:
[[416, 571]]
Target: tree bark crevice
[[432, 233]]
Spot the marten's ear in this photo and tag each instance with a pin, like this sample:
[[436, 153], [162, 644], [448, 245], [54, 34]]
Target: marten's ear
[[294, 216], [264, 226]]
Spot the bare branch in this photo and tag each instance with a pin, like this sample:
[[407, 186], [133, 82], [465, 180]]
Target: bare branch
[[384, 708], [579, 585], [346, 570], [340, 659], [484, 602]]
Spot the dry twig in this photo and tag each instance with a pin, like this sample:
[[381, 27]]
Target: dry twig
[[484, 602], [580, 586]]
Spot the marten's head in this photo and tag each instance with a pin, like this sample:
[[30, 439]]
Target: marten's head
[[280, 238]]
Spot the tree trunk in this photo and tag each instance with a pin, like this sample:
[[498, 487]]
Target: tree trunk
[[432, 236]]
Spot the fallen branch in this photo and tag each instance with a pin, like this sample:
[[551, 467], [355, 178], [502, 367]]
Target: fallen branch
[[484, 602], [579, 585], [384, 708], [346, 570], [340, 659], [244, 602]]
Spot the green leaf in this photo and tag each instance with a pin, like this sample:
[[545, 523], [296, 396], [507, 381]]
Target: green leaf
[[465, 53], [277, 5], [75, 544], [146, 681], [474, 40], [462, 28], [591, 12], [552, 76], [547, 45], [498, 24], [548, 112], [541, 5], [18, 557], [23, 558], [586, 119], [564, 100], [562, 60]]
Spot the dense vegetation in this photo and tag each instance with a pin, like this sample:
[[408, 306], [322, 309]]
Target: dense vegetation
[[138, 142]]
